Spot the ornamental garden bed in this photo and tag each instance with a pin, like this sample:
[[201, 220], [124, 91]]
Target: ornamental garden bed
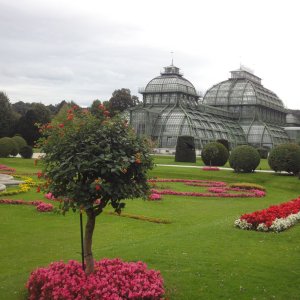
[[274, 218]]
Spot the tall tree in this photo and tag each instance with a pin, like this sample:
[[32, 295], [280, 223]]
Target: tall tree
[[122, 100], [7, 117], [38, 114]]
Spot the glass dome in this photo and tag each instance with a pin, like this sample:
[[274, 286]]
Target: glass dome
[[243, 88], [170, 81]]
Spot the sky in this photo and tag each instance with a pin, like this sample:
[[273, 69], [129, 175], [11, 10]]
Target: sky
[[84, 50]]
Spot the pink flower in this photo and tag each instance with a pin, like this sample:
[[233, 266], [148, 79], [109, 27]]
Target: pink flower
[[154, 196]]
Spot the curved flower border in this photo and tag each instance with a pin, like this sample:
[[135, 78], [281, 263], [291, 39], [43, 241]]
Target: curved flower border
[[216, 189], [40, 205], [275, 218]]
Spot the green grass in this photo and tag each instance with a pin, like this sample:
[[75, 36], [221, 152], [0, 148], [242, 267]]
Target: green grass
[[200, 254], [170, 160]]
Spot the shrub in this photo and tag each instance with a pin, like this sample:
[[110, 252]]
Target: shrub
[[225, 143], [6, 146], [20, 141], [26, 152], [263, 152], [214, 154], [14, 147], [112, 279], [185, 149], [285, 157], [244, 159]]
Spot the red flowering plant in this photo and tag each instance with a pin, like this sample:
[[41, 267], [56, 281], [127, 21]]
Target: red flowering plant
[[92, 161]]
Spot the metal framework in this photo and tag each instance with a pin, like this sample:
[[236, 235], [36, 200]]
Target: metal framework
[[239, 110]]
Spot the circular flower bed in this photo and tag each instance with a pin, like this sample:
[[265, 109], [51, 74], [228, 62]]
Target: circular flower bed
[[113, 279]]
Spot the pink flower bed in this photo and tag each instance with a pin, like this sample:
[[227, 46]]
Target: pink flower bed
[[154, 197], [113, 279], [40, 205], [216, 189], [274, 218], [210, 169], [6, 169]]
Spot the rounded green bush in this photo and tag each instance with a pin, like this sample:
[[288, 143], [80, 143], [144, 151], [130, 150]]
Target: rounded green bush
[[285, 157], [6, 146], [244, 159], [20, 141], [26, 152], [14, 147], [214, 154]]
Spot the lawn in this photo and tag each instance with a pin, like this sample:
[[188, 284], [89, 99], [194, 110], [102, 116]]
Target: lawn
[[200, 254], [170, 160]]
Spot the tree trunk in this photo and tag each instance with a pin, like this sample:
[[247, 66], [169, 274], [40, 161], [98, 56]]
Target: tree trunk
[[89, 229]]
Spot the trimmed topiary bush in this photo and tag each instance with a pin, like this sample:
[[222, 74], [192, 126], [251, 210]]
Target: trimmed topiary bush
[[6, 146], [26, 152], [185, 149], [285, 157], [20, 141], [225, 143], [244, 159], [214, 154], [14, 148], [263, 152]]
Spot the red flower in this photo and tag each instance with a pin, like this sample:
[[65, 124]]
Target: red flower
[[70, 117], [101, 106], [106, 113], [61, 125], [98, 187], [38, 189], [39, 174]]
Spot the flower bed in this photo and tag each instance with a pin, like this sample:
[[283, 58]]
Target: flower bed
[[215, 189], [40, 205], [210, 169], [154, 197], [274, 218], [6, 170], [113, 279]]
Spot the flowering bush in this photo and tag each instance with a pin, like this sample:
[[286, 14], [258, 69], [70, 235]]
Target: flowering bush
[[275, 218], [112, 280], [93, 157], [40, 206], [44, 207], [216, 189], [154, 197]]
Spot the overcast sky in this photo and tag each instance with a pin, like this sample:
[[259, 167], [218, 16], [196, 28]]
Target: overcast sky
[[78, 50]]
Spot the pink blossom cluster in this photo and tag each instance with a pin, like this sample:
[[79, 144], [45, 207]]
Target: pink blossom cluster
[[113, 279], [210, 169], [186, 181], [44, 207], [40, 205], [49, 196], [6, 169], [154, 197]]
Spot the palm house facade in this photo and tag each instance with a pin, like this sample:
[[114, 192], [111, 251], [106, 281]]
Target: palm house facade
[[240, 110]]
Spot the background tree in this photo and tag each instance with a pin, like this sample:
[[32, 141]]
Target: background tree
[[8, 118], [38, 114], [92, 162], [121, 100]]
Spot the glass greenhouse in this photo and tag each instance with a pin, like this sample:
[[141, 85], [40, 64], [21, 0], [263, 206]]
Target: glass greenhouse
[[239, 110]]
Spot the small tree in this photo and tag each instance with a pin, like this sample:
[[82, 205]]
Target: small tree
[[92, 162]]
